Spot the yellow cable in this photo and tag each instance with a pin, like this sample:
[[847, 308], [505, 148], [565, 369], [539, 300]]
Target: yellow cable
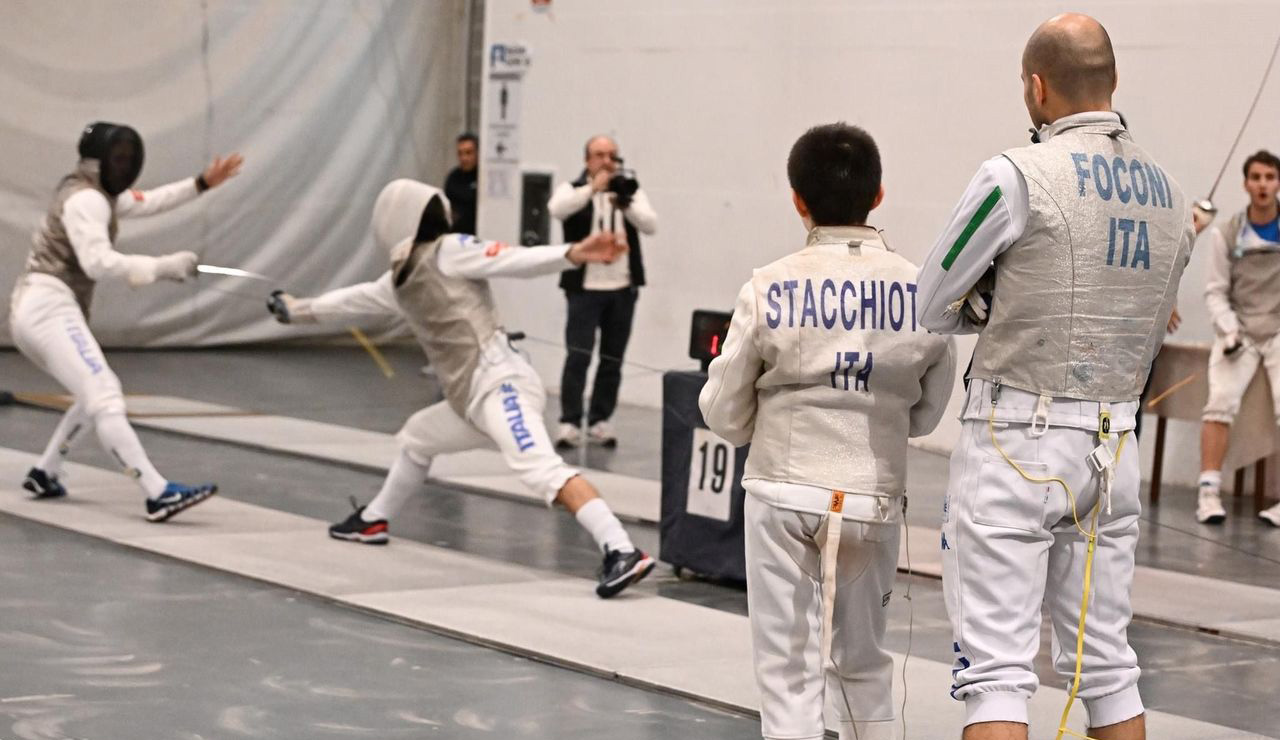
[[1092, 537], [372, 349]]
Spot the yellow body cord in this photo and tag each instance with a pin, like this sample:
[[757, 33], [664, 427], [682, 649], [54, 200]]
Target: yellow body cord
[[372, 349], [1092, 537]]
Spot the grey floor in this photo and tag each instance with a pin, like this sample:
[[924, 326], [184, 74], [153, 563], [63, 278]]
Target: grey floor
[[1213, 679]]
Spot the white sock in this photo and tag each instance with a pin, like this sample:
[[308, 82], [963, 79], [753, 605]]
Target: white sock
[[69, 427], [122, 442], [1211, 479], [596, 517], [403, 480]]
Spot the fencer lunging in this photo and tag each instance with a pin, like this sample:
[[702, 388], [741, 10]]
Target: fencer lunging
[[1087, 238], [826, 372], [439, 284], [74, 248]]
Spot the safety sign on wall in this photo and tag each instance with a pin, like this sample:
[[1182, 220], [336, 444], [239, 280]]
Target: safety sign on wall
[[501, 141]]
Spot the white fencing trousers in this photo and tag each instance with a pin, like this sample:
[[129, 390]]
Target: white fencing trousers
[[784, 602], [1009, 546], [507, 417], [1229, 377], [49, 328]]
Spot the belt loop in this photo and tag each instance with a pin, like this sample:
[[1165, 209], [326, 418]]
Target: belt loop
[[1040, 421]]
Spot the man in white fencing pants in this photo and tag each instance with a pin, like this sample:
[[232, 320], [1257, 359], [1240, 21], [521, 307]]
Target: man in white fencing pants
[[1242, 293], [74, 248], [1087, 238], [439, 284], [826, 372]]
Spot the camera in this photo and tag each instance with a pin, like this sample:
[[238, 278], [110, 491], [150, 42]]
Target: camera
[[623, 185]]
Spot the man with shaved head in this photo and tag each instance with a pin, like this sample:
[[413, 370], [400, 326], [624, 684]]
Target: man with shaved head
[[1064, 257]]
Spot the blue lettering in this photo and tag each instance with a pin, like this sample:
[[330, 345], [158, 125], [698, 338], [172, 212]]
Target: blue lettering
[[774, 316], [1164, 185], [896, 296], [1125, 225], [1156, 190], [828, 319], [1135, 170], [1082, 174], [1111, 243], [810, 307], [864, 376], [1100, 168], [868, 303], [790, 286], [911, 288], [1117, 166], [882, 301], [849, 316], [1142, 248]]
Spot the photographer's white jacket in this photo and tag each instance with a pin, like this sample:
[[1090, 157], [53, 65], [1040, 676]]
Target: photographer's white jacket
[[826, 370]]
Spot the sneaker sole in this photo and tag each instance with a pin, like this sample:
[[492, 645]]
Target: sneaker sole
[[1214, 519], [1269, 520], [380, 538], [634, 576], [169, 512], [564, 445]]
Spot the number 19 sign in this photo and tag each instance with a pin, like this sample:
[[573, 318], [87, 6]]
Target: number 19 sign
[[710, 475]]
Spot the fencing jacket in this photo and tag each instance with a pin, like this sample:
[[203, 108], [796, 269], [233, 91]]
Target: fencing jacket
[[826, 369], [1242, 290]]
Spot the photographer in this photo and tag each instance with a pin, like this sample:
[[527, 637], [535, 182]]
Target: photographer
[[601, 296]]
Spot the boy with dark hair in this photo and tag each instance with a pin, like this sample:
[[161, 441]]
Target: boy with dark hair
[[826, 372], [1242, 293]]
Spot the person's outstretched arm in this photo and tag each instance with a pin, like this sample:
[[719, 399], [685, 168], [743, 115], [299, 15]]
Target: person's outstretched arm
[[86, 216], [371, 301], [461, 255], [136, 203]]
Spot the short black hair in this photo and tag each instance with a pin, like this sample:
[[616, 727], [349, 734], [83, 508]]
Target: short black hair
[[1263, 157], [836, 170], [468, 136]]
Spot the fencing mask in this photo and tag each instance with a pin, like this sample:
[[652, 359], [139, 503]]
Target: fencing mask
[[118, 150]]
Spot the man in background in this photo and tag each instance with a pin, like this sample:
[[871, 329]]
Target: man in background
[[1242, 293], [602, 297], [460, 185]]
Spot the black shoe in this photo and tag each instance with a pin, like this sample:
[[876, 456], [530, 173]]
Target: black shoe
[[43, 485], [177, 497], [356, 529], [621, 569]]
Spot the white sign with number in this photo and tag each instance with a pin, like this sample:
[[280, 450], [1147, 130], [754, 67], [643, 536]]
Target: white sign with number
[[711, 475]]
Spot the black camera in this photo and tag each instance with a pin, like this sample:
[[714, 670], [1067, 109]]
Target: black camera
[[623, 185]]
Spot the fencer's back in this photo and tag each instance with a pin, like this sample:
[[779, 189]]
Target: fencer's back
[[843, 360], [451, 317], [51, 250], [1082, 298]]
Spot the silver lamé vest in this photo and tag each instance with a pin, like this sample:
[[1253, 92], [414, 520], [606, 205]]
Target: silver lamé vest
[[843, 354], [1082, 298], [1255, 284], [51, 251], [451, 317]]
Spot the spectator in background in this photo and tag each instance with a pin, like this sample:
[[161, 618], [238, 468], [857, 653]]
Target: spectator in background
[[1244, 303], [460, 185], [603, 296]]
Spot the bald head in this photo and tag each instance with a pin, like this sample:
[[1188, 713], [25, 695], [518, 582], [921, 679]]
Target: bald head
[[1072, 56]]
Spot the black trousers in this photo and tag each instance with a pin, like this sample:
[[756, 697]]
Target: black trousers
[[610, 312]]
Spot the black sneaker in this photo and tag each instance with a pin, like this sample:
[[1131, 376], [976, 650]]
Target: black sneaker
[[356, 529], [177, 497], [621, 569], [43, 485]]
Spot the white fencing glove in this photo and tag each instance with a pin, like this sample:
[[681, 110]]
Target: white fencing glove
[[177, 266]]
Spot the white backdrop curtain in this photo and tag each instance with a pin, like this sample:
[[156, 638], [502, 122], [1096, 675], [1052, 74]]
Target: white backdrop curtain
[[326, 100]]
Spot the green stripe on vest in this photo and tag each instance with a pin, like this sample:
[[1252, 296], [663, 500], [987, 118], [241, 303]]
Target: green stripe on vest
[[978, 217]]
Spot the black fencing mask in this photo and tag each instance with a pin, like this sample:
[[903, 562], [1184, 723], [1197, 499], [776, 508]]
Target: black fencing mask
[[118, 150]]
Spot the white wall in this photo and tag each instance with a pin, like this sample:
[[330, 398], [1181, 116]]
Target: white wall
[[705, 99], [327, 102]]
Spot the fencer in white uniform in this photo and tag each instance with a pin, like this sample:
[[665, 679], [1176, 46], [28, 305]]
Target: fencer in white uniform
[[74, 248], [826, 372], [439, 284], [1087, 238]]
